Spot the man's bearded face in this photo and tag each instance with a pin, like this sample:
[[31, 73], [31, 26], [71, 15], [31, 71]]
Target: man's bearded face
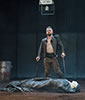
[[49, 32]]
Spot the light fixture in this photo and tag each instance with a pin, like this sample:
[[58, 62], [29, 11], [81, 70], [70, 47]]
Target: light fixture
[[47, 7]]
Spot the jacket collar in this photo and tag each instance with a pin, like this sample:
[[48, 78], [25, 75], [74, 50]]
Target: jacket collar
[[51, 39]]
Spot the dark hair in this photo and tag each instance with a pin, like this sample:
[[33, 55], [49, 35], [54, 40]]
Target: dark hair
[[49, 27]]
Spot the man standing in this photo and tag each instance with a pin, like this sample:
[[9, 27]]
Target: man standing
[[48, 48]]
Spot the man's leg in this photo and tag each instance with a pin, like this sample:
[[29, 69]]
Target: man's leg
[[47, 66], [57, 68]]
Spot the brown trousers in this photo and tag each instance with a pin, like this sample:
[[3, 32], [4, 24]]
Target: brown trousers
[[54, 62]]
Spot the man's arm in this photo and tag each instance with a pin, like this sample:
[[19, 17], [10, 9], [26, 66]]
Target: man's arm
[[60, 44], [39, 51]]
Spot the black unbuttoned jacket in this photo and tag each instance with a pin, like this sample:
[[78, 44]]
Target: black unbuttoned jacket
[[56, 43]]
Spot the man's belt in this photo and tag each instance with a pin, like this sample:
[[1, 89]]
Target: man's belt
[[50, 55]]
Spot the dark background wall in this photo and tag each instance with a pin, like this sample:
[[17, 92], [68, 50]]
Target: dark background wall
[[22, 27]]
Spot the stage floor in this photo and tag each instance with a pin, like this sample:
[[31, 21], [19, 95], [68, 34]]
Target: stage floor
[[44, 95]]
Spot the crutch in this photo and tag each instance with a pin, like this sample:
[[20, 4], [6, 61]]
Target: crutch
[[64, 65], [36, 70]]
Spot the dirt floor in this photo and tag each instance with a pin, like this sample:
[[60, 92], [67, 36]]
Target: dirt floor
[[44, 95]]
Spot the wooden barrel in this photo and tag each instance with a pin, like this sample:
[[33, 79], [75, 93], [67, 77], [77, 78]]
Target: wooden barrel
[[5, 70]]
